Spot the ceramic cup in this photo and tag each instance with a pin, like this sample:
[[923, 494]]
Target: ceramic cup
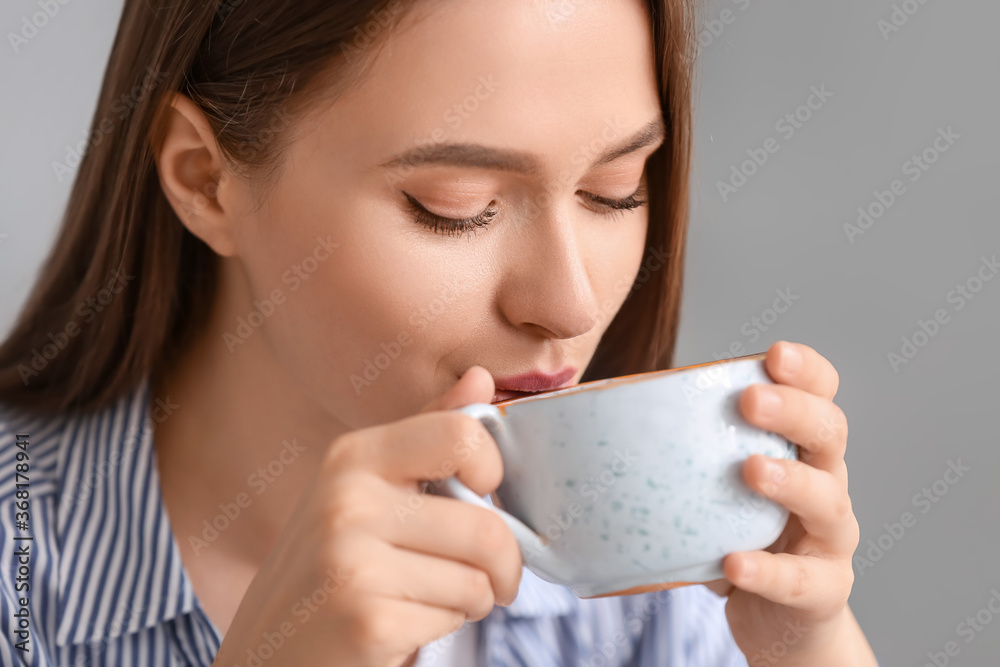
[[631, 484]]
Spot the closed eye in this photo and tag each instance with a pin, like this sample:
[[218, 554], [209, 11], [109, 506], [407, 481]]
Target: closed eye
[[610, 207], [634, 200]]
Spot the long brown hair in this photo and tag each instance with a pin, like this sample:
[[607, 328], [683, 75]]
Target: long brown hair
[[127, 285]]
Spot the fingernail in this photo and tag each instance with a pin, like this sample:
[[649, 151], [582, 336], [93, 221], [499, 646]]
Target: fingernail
[[791, 360], [749, 568], [770, 401]]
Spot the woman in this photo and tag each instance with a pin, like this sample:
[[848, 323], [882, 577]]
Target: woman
[[311, 230]]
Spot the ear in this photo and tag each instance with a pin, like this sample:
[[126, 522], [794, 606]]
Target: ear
[[195, 179]]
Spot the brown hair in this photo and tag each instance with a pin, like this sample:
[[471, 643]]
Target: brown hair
[[127, 285]]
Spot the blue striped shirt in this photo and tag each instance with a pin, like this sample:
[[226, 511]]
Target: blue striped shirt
[[96, 577]]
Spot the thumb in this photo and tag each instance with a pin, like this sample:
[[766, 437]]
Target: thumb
[[475, 386]]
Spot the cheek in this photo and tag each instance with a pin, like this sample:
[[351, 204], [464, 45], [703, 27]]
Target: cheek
[[400, 316], [366, 328]]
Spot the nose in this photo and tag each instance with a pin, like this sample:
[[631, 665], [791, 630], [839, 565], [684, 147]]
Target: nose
[[547, 288]]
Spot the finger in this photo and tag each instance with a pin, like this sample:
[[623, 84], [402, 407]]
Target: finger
[[721, 587], [428, 446], [818, 425], [802, 582], [475, 386], [819, 500], [393, 623], [474, 536], [801, 366], [430, 580]]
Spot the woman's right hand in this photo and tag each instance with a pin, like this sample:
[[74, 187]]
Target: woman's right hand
[[369, 569]]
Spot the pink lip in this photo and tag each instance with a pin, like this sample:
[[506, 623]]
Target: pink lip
[[536, 381]]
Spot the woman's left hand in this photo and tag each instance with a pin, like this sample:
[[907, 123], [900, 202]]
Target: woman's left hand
[[790, 601]]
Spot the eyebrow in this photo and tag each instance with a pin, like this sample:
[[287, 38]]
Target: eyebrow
[[501, 159]]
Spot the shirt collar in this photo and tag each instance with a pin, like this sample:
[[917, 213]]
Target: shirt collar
[[120, 569]]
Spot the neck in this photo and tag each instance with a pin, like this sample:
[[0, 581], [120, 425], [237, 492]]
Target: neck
[[244, 436]]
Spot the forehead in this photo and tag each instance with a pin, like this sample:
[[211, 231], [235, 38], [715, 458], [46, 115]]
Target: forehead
[[523, 74]]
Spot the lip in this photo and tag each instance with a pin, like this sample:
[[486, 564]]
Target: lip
[[533, 382]]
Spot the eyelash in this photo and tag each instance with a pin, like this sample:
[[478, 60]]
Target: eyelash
[[457, 227]]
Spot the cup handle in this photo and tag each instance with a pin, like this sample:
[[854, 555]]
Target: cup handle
[[534, 548]]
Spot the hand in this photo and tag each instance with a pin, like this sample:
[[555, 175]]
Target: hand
[[790, 600], [368, 569]]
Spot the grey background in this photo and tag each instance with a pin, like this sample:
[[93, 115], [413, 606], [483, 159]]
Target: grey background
[[782, 230]]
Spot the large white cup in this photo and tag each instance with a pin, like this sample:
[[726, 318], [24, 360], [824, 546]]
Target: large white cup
[[631, 484]]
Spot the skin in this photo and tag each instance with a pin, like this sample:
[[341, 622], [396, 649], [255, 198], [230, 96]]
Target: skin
[[528, 291]]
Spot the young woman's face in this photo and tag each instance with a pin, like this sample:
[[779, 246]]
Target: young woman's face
[[506, 111]]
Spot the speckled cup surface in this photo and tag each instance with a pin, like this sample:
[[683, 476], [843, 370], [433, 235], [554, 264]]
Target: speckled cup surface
[[630, 484]]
